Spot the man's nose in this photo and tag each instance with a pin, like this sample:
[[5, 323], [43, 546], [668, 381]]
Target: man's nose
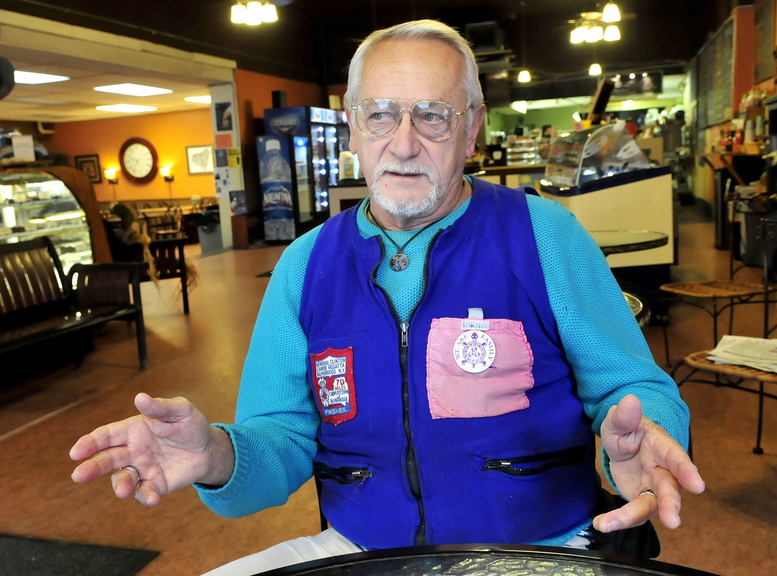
[[405, 139]]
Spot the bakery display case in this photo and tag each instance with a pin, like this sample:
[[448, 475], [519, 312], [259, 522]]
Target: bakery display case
[[578, 159], [606, 180], [35, 203]]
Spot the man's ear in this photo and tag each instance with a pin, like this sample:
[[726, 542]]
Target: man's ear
[[472, 135]]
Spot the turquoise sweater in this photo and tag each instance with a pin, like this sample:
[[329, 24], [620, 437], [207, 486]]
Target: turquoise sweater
[[274, 435]]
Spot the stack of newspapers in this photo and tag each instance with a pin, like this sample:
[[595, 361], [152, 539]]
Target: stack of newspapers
[[759, 353]]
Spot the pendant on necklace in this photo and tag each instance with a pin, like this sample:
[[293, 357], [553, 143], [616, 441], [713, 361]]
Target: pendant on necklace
[[399, 262]]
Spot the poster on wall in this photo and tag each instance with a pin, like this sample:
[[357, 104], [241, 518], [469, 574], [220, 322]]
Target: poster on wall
[[223, 115]]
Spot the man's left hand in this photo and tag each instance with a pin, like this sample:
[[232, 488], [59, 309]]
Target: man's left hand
[[649, 469]]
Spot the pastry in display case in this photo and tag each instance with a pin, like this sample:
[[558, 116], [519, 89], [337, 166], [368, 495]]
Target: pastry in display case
[[605, 179], [579, 158], [33, 204]]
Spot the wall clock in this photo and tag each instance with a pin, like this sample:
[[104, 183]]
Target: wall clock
[[138, 159]]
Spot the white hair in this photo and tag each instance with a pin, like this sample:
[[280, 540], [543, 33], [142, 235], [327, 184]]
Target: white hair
[[420, 30]]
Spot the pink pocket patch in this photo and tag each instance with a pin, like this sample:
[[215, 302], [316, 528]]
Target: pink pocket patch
[[477, 373]]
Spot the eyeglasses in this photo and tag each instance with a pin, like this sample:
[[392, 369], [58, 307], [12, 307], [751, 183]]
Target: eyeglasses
[[377, 117]]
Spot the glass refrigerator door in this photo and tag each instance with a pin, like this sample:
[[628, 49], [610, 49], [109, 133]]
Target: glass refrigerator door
[[303, 173], [318, 147], [332, 153]]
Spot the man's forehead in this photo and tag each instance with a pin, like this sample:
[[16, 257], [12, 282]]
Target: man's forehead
[[418, 69]]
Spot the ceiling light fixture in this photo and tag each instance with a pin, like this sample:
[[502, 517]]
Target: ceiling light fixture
[[129, 89], [253, 13], [198, 99], [590, 26], [595, 69], [524, 75], [520, 106], [612, 33], [36, 77], [611, 13], [129, 108], [594, 34]]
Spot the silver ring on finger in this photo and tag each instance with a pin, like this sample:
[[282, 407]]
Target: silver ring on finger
[[648, 491], [135, 470]]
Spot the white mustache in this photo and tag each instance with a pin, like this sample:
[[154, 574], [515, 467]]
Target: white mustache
[[403, 168]]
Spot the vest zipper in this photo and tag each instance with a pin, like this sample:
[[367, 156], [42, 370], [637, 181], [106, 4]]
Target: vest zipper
[[404, 340], [537, 463]]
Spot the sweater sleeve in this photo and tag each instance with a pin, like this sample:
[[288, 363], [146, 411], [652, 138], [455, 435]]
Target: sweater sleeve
[[274, 434], [603, 343]]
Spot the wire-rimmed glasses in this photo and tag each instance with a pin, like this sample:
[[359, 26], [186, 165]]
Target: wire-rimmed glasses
[[378, 117]]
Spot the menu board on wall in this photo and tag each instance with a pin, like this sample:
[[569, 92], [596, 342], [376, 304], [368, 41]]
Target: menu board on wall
[[716, 64], [764, 39]]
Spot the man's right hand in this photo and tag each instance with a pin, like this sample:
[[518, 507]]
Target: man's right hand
[[170, 443]]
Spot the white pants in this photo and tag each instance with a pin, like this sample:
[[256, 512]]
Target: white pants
[[324, 545], [327, 544]]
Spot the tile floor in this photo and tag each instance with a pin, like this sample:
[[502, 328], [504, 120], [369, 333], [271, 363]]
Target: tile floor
[[730, 530]]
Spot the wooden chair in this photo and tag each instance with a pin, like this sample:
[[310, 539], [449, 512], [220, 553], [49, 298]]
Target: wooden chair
[[721, 295], [733, 376]]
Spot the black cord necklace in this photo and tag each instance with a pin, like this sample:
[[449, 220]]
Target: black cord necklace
[[399, 260]]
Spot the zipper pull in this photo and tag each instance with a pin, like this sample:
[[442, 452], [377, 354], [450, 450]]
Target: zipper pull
[[403, 328], [497, 464]]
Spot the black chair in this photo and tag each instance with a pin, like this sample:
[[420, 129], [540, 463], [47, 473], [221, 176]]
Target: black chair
[[167, 255]]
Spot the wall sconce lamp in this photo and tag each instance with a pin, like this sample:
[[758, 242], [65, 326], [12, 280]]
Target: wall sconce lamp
[[110, 175], [167, 173]]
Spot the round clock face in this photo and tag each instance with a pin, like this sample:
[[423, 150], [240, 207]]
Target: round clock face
[[138, 160]]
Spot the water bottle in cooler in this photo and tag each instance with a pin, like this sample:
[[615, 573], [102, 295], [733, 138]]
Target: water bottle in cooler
[[275, 178]]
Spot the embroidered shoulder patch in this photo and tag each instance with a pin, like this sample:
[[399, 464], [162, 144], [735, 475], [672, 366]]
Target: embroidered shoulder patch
[[334, 386]]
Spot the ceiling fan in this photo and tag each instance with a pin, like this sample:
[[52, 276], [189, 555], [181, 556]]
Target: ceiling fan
[[594, 26]]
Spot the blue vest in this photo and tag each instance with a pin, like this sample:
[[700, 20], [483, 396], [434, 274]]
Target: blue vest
[[393, 475]]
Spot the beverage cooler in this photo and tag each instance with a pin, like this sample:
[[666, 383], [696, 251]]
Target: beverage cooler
[[310, 139]]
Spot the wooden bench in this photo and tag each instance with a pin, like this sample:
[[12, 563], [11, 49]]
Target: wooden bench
[[39, 303]]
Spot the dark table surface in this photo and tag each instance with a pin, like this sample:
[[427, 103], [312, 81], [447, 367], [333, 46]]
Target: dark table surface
[[620, 241], [482, 560]]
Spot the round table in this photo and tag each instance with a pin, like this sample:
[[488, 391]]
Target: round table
[[620, 241], [482, 560]]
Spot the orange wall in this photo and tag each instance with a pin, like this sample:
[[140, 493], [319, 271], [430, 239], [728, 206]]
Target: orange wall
[[254, 94], [170, 133]]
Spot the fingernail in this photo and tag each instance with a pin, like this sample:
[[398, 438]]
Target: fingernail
[[613, 525]]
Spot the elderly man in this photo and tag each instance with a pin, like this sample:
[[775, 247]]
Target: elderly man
[[439, 357]]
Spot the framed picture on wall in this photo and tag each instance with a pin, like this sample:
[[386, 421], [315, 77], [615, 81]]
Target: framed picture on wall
[[200, 159], [91, 165]]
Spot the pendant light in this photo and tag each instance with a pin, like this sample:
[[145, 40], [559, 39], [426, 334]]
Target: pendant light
[[239, 13], [254, 13], [611, 13], [269, 13], [524, 75], [595, 69], [612, 33]]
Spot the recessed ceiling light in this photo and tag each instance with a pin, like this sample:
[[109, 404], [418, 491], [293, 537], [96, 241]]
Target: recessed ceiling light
[[131, 108], [129, 89], [36, 78], [198, 99]]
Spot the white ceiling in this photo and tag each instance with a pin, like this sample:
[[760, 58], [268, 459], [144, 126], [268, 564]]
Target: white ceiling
[[91, 59]]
